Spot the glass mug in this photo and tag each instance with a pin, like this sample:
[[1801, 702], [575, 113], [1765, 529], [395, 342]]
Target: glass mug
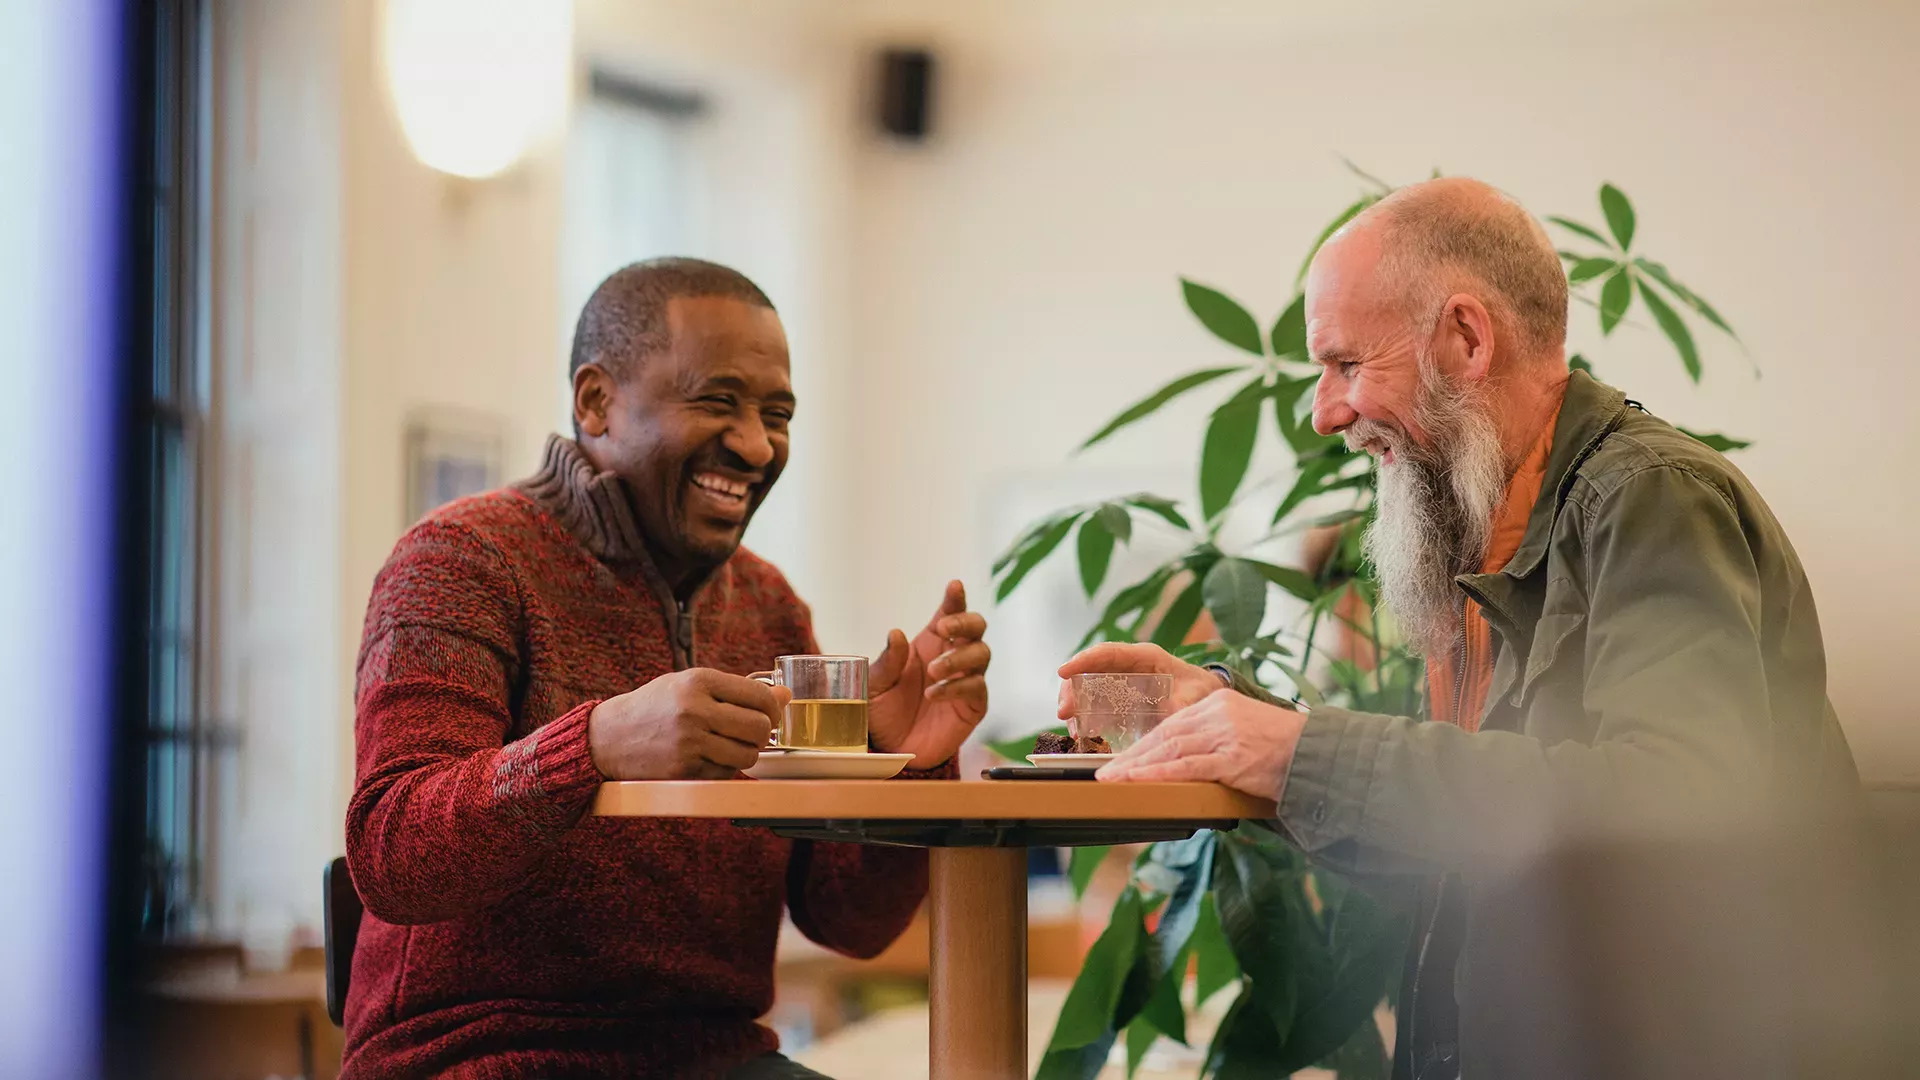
[[1120, 706], [829, 707]]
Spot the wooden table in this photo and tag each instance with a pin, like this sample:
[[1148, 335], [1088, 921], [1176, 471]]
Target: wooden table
[[977, 833]]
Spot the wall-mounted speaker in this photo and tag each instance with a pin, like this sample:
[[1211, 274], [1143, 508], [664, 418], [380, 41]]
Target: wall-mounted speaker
[[906, 93]]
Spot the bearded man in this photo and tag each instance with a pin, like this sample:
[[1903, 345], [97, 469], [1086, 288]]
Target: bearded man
[[1617, 631]]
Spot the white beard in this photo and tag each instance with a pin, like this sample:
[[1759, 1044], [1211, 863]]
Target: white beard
[[1435, 506]]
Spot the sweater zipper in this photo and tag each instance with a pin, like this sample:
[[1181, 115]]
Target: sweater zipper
[[683, 635]]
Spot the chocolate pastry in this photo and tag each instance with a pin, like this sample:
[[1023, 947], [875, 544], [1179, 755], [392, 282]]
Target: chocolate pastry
[[1048, 742], [1094, 745]]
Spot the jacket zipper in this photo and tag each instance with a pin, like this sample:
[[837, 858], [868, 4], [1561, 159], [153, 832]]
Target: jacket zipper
[[1440, 890], [1460, 673], [1419, 972]]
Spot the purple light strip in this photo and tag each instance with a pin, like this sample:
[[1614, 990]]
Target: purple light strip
[[61, 210]]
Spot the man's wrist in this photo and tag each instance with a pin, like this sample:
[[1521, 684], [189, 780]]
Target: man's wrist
[[1222, 670]]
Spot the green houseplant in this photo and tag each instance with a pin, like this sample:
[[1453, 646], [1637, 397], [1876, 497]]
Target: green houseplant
[[1311, 955]]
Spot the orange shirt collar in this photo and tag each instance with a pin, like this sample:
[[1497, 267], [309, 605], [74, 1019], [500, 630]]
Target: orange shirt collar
[[1516, 506]]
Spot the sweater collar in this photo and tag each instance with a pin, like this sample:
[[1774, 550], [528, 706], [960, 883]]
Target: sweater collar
[[596, 508]]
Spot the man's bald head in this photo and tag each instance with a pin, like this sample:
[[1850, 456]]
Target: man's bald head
[[625, 320], [1438, 318], [1453, 235]]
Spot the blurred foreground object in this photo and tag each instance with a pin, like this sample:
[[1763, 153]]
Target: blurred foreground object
[[1775, 952]]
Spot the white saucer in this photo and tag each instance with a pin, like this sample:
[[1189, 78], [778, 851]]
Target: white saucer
[[1070, 761], [781, 765]]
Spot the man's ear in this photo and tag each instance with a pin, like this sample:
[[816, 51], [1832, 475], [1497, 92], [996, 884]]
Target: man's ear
[[592, 399], [1466, 335]]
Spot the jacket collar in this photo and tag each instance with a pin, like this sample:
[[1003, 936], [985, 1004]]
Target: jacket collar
[[1589, 411], [596, 509]]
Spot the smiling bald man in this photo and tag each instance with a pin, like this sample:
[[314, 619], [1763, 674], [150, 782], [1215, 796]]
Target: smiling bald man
[[1617, 632]]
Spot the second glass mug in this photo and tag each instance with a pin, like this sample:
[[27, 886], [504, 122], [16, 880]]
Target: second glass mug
[[829, 707]]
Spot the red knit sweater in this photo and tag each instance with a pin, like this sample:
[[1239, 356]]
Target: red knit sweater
[[507, 933]]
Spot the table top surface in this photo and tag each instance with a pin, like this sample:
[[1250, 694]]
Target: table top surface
[[926, 800]]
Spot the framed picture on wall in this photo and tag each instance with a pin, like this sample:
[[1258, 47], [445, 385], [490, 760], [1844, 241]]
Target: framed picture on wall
[[450, 453]]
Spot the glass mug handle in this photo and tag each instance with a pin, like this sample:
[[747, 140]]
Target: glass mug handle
[[771, 678]]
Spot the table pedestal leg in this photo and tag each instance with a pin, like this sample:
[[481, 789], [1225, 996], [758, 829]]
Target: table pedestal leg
[[977, 967]]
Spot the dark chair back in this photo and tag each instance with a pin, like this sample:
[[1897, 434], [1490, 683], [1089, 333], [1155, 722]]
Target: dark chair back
[[342, 918]]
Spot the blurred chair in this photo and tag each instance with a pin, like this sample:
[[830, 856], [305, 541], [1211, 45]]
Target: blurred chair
[[342, 911]]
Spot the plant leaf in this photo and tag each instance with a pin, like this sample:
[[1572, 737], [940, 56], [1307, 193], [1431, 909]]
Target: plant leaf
[[1024, 541], [1228, 449], [1137, 596], [1246, 1046], [1141, 1035], [1088, 1013], [1164, 508], [1722, 443], [1302, 686], [1077, 1062], [1018, 749], [1081, 864], [1253, 911], [1192, 859], [1096, 552], [1576, 362], [1588, 269], [1223, 316], [1179, 618], [1687, 296], [1362, 1057], [1333, 226], [1379, 185], [1289, 333], [1214, 965], [1118, 522], [1148, 405], [1364, 959], [1297, 582], [1619, 211], [1615, 295], [1337, 517], [1307, 484], [1587, 231], [1030, 558], [1676, 330], [1237, 595], [1299, 434]]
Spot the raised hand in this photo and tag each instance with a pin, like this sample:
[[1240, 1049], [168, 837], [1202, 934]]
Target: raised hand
[[926, 695]]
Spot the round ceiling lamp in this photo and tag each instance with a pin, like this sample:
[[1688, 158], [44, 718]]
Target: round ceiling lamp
[[475, 83]]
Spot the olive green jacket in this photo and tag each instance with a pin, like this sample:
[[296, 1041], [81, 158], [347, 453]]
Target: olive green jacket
[[1657, 653]]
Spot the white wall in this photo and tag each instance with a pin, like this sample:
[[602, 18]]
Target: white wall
[[1016, 278], [772, 153], [449, 302]]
